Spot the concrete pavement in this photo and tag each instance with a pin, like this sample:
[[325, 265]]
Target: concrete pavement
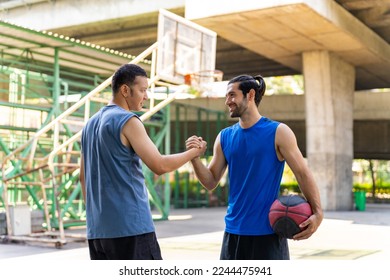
[[196, 234]]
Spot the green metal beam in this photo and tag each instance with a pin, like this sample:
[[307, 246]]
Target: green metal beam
[[25, 106]]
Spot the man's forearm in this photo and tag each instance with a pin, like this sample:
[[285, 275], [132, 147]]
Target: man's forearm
[[204, 174]]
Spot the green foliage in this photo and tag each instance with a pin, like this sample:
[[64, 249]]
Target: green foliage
[[290, 187], [285, 84], [188, 192], [192, 187], [383, 188], [194, 91]]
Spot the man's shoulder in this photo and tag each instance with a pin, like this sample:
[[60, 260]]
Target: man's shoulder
[[92, 119], [230, 128], [272, 122], [116, 112], [233, 126]]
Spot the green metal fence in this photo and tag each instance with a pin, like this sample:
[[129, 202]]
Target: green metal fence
[[189, 120]]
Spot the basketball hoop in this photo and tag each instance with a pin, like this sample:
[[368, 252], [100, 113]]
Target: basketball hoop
[[203, 76], [200, 81], [184, 47], [188, 79]]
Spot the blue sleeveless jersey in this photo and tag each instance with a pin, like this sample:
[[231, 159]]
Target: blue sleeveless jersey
[[255, 174], [117, 203]]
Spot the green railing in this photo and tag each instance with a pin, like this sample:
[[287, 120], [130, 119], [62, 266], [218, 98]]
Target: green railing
[[207, 123]]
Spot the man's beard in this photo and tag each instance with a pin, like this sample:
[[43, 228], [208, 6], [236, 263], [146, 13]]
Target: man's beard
[[237, 112]]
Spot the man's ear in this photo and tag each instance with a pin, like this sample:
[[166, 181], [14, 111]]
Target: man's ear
[[124, 90], [251, 94]]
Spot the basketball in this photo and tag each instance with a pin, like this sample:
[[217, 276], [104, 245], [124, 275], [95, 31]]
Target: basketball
[[286, 213]]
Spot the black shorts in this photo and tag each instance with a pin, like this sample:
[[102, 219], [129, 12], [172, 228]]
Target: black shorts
[[259, 247], [139, 247]]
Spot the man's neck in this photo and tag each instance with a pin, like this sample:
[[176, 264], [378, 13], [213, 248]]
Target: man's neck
[[118, 103], [248, 120]]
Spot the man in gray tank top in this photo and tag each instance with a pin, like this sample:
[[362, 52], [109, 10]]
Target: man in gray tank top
[[114, 145]]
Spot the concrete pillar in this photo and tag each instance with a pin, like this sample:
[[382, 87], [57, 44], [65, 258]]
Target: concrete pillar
[[329, 88]]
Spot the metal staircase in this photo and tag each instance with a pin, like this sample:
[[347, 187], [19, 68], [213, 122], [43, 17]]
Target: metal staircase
[[50, 181]]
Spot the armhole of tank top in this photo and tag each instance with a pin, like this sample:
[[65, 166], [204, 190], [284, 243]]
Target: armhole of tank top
[[221, 138], [124, 121], [275, 146]]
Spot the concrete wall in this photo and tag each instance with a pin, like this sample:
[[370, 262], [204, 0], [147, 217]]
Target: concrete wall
[[371, 131]]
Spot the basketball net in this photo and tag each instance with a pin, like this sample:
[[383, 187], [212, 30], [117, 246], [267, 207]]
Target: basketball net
[[201, 82]]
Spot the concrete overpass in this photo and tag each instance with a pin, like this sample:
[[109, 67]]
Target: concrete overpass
[[131, 27], [339, 46]]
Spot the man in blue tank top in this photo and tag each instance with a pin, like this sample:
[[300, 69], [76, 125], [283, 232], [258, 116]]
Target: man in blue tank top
[[255, 150], [114, 142]]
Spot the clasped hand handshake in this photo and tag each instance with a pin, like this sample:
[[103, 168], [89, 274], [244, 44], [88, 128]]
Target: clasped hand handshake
[[196, 142]]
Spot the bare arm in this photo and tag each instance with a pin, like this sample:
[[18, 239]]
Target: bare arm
[[134, 135], [287, 148], [209, 176]]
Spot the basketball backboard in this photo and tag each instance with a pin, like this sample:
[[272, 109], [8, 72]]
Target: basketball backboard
[[184, 47]]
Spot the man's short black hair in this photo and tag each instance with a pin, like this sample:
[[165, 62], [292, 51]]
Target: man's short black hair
[[126, 74]]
